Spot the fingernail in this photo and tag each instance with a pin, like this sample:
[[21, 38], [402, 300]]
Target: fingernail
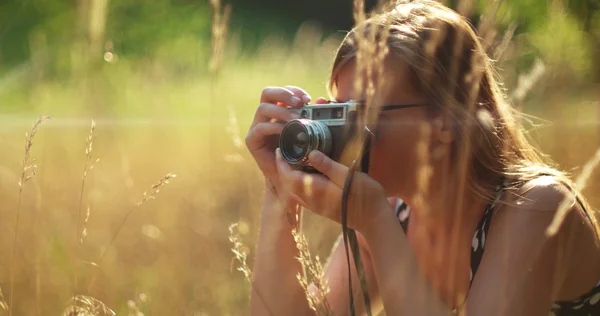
[[296, 115], [277, 152], [296, 100], [306, 98]]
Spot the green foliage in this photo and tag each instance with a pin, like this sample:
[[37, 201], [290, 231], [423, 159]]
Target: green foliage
[[138, 28], [52, 37], [158, 110], [563, 45], [21, 20]]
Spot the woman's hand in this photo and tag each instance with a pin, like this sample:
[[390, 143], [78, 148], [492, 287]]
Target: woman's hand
[[268, 122], [322, 193]]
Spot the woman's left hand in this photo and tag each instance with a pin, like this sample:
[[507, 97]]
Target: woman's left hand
[[322, 193]]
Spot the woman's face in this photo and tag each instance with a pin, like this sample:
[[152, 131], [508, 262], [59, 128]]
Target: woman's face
[[401, 142]]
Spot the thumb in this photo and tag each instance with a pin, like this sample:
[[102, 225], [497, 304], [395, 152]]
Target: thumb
[[335, 171]]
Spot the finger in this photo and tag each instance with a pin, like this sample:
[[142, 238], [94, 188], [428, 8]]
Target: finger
[[289, 177], [255, 139], [314, 191], [284, 169], [279, 94], [321, 100], [320, 193], [300, 93], [332, 169], [269, 111]]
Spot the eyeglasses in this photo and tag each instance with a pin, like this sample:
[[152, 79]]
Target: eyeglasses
[[372, 129], [383, 108], [399, 106]]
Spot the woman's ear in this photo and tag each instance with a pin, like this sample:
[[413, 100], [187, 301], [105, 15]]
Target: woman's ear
[[443, 129]]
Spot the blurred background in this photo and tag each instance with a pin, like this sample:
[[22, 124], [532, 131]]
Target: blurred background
[[172, 91]]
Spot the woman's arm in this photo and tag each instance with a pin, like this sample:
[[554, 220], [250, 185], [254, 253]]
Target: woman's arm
[[522, 270], [337, 275], [403, 288], [275, 289]]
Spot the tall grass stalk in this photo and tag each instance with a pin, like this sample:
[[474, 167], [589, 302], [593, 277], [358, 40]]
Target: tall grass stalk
[[220, 20], [567, 204], [240, 252], [82, 305], [3, 304], [218, 35], [147, 195], [485, 31], [241, 255], [89, 165], [313, 275], [27, 173]]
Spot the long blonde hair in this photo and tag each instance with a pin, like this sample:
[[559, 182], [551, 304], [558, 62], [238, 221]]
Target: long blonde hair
[[452, 70]]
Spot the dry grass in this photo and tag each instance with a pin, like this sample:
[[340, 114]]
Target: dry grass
[[89, 165], [87, 305], [580, 182], [82, 305], [313, 280], [220, 23], [80, 234], [27, 173], [147, 195], [177, 250], [3, 304], [240, 252]]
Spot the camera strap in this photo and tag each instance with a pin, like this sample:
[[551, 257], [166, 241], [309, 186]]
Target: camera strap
[[349, 235]]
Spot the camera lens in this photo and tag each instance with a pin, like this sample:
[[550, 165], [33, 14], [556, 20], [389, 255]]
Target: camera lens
[[299, 137], [294, 141]]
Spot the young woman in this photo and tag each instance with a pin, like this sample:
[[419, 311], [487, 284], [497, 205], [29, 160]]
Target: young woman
[[430, 243]]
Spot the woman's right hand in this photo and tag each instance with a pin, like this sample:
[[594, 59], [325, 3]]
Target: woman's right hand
[[269, 119]]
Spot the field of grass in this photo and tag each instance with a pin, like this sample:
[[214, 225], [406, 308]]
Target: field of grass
[[172, 255]]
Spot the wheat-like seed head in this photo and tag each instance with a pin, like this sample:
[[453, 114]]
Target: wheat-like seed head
[[84, 230], [27, 173], [150, 194], [155, 189], [29, 166], [316, 296], [88, 150], [88, 166], [240, 252], [82, 305]]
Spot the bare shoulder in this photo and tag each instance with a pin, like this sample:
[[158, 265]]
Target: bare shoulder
[[544, 209], [527, 212], [544, 202], [538, 267], [544, 194]]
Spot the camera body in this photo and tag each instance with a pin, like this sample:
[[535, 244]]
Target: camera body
[[323, 127]]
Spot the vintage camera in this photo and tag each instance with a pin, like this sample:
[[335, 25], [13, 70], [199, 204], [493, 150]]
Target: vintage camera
[[324, 127]]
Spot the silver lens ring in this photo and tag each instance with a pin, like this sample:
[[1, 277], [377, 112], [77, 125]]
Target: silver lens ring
[[300, 137]]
